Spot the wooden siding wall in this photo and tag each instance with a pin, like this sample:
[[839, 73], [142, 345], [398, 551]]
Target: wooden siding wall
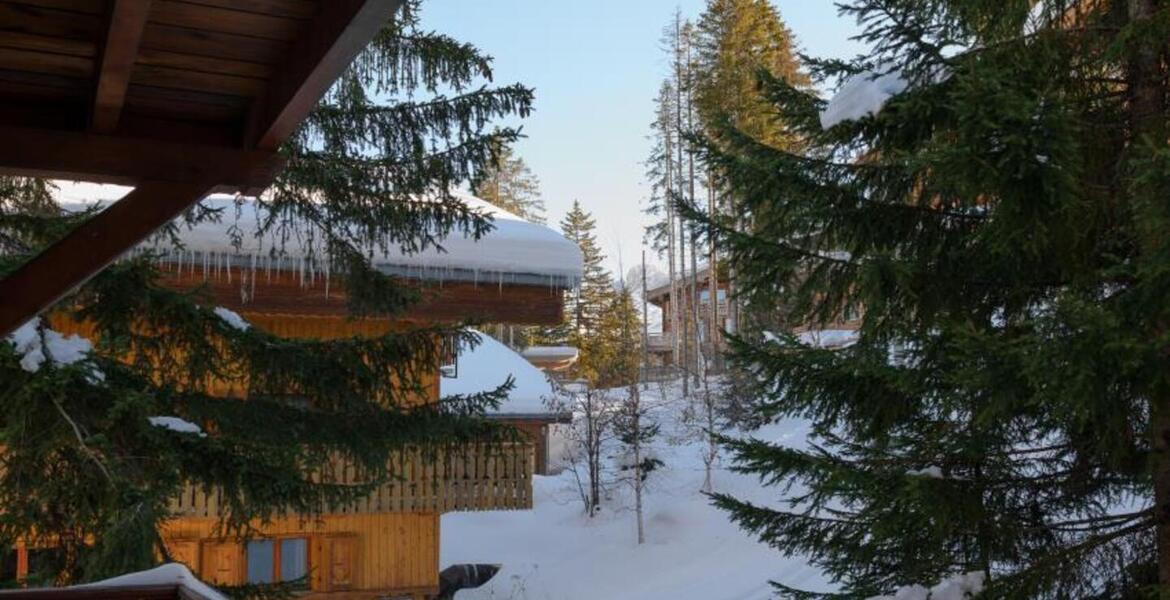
[[332, 327], [256, 290], [393, 552], [537, 434], [321, 327]]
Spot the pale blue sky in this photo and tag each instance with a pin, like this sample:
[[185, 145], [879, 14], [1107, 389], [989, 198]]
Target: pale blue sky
[[596, 65]]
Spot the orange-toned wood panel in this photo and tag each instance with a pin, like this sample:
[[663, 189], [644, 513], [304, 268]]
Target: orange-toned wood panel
[[384, 552], [286, 326], [287, 292], [536, 433], [467, 478], [222, 562]]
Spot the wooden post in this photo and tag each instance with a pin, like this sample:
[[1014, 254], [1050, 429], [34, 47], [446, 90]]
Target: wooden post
[[70, 262]]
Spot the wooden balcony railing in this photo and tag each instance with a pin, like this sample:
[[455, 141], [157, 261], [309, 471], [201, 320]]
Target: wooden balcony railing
[[470, 478]]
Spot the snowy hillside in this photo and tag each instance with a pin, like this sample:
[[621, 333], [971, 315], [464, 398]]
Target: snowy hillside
[[692, 551]]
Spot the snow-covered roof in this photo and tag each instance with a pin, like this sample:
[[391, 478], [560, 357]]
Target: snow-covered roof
[[515, 251], [863, 95], [829, 338], [486, 367], [554, 352], [169, 574]]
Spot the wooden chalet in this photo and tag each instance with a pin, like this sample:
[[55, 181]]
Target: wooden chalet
[[533, 405], [661, 345], [183, 98], [388, 545]]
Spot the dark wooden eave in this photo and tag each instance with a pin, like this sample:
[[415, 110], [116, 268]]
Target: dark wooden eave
[[176, 97], [289, 293]]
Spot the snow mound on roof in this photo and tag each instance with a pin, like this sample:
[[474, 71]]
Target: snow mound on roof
[[487, 366], [551, 352], [829, 338], [955, 587], [514, 247], [168, 574], [176, 424], [863, 95]]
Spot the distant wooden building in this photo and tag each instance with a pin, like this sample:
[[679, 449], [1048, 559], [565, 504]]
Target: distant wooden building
[[533, 405], [388, 545], [661, 345]]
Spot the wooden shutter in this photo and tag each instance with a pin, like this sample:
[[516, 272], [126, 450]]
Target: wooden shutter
[[185, 552], [223, 563], [343, 562], [333, 563]]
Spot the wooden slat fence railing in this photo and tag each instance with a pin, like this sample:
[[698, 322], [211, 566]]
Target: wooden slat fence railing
[[463, 478]]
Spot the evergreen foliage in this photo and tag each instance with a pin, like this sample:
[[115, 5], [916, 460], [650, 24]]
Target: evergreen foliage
[[1006, 407], [661, 168], [84, 468], [611, 353], [585, 305], [735, 40], [509, 184]]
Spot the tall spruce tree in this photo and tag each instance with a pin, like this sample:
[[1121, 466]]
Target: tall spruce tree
[[509, 184], [1006, 408], [85, 468], [585, 306], [735, 40]]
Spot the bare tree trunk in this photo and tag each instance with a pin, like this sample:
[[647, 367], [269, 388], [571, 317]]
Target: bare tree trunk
[[699, 358], [680, 81], [672, 306], [594, 428], [636, 426], [712, 444], [714, 335], [645, 321]]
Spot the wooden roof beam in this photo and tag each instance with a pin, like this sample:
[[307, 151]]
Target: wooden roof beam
[[315, 61], [70, 262], [127, 22], [111, 159]]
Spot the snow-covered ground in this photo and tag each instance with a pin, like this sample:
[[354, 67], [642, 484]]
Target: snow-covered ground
[[692, 550]]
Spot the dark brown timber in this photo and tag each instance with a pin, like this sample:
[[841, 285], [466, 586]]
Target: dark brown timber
[[127, 21], [179, 98], [110, 159], [316, 60], [91, 247]]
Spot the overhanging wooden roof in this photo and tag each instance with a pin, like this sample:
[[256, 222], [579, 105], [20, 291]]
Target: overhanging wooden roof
[[176, 97]]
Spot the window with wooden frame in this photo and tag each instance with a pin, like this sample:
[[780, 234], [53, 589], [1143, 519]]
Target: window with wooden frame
[[276, 559]]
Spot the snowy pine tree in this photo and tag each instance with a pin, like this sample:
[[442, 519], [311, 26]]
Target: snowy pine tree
[[509, 184], [990, 184]]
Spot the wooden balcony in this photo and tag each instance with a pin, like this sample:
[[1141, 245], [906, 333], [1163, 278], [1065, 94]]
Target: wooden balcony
[[462, 479]]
